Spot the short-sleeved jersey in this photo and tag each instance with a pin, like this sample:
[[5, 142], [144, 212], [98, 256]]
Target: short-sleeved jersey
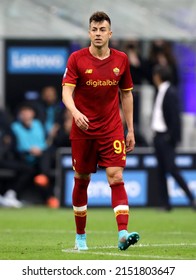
[[96, 92]]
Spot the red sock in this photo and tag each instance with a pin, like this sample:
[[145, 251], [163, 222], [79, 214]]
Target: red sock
[[120, 205], [79, 200]]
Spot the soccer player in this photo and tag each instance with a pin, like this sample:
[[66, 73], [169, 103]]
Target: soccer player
[[91, 84]]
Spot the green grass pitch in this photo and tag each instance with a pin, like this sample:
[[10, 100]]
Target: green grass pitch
[[39, 233]]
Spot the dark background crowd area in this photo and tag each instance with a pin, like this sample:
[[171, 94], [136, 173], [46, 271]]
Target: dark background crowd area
[[29, 138]]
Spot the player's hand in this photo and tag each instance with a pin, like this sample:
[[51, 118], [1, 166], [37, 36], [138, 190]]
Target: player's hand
[[81, 120], [130, 142]]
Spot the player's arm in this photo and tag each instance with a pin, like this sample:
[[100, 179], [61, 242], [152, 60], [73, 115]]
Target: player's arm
[[127, 108], [67, 98]]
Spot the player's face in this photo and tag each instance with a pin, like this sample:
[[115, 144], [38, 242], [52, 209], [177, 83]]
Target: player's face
[[100, 33]]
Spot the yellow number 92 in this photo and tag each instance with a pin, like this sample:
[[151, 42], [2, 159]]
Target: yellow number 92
[[119, 146]]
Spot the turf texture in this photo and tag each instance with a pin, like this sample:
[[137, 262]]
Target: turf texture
[[40, 233]]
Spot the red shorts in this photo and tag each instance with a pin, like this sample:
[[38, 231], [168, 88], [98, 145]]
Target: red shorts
[[87, 154]]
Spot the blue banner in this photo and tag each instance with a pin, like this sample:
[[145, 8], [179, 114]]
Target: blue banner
[[37, 60], [99, 192], [141, 181], [177, 195]]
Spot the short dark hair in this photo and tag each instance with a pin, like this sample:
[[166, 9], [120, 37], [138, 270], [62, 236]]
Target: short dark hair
[[26, 106], [164, 72], [99, 17]]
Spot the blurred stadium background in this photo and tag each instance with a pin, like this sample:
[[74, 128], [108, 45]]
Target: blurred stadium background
[[32, 28]]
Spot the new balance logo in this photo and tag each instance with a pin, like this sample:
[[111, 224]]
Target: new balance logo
[[89, 71]]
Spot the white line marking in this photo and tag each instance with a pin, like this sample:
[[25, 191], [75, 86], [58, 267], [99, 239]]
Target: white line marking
[[139, 245], [139, 256], [129, 255]]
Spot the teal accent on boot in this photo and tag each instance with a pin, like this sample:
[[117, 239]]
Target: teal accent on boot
[[80, 242], [126, 239]]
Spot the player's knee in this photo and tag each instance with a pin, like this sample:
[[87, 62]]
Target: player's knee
[[115, 177], [82, 176]]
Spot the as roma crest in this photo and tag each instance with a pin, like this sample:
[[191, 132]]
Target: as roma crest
[[116, 71]]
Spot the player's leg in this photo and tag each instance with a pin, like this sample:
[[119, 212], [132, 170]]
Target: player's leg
[[79, 200], [121, 207], [112, 156], [83, 163]]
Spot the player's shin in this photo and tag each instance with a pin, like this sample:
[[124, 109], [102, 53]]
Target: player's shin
[[120, 205], [79, 200]]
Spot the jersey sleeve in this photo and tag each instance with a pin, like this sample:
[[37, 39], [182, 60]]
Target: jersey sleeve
[[70, 76], [126, 82]]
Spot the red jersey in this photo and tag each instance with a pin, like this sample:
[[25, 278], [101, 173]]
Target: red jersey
[[96, 92]]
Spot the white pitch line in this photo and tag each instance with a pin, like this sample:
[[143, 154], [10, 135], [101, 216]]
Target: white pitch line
[[138, 256], [164, 245], [139, 245], [121, 254], [95, 253], [128, 255]]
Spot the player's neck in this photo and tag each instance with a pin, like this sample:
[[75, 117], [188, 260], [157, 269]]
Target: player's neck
[[100, 53]]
